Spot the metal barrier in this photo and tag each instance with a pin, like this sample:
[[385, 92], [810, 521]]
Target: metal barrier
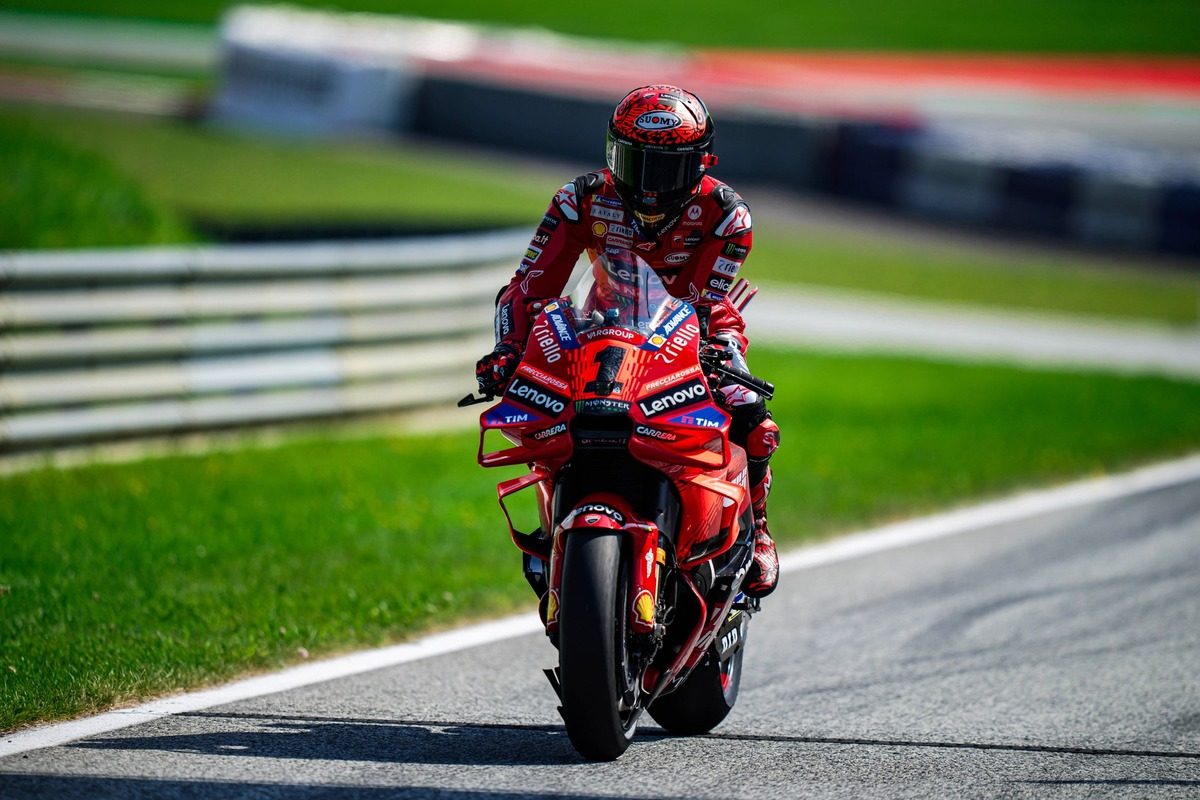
[[105, 344]]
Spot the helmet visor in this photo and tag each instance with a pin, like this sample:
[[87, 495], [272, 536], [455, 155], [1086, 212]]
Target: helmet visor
[[655, 171]]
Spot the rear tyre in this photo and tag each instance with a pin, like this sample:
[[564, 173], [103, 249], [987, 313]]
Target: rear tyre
[[705, 698], [600, 692]]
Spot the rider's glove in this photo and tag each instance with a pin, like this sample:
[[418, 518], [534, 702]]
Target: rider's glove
[[494, 370]]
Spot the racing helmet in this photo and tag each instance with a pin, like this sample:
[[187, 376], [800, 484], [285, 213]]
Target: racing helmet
[[659, 146]]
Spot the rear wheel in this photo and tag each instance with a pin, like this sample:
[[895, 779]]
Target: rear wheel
[[705, 698], [600, 689]]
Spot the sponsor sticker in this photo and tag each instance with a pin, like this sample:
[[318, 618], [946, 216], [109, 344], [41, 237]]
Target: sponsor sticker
[[508, 414], [655, 433], [532, 254], [736, 251], [692, 239], [709, 294], [549, 222], [726, 266], [541, 237], [737, 221], [707, 417], [694, 212], [602, 405], [674, 377], [567, 202], [621, 230], [612, 215], [536, 397], [538, 375], [551, 432], [658, 121], [677, 342], [604, 200], [599, 228], [601, 508], [677, 258], [674, 397], [717, 283], [546, 341]]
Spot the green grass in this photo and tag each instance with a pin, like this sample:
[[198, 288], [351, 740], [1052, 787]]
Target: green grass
[[217, 174], [55, 195], [962, 274], [1107, 26], [122, 581]]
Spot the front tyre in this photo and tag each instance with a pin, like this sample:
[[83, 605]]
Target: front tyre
[[600, 694]]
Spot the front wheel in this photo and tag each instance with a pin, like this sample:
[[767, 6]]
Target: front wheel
[[600, 689]]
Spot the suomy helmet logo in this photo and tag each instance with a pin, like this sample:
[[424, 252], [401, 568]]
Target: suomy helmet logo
[[658, 121]]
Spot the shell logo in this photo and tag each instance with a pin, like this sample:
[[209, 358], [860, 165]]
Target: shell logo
[[552, 607], [599, 228], [643, 606], [658, 340]]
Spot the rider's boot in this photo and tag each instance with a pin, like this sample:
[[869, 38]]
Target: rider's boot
[[764, 572]]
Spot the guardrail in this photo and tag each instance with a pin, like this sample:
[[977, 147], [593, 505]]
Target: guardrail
[[107, 344]]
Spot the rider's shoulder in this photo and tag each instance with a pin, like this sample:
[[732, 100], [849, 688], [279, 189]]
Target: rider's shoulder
[[733, 213], [570, 198]]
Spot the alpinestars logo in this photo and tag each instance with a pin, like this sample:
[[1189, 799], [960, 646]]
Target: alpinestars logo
[[534, 396], [674, 397], [567, 202], [737, 221]]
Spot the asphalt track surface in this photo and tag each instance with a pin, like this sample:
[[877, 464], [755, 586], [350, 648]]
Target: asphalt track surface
[[1053, 657]]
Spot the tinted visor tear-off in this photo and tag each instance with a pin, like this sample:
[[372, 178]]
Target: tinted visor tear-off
[[647, 170]]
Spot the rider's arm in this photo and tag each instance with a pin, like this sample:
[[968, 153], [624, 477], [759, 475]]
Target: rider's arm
[[719, 258], [547, 263]]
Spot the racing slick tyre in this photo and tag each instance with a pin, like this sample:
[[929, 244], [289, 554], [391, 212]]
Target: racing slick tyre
[[704, 699], [600, 692]]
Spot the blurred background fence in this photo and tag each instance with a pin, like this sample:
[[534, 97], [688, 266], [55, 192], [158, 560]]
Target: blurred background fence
[[111, 343]]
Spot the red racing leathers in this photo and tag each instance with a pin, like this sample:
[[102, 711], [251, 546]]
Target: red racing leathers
[[697, 256]]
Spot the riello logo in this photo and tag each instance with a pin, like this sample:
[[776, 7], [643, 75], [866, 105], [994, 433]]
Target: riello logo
[[658, 121]]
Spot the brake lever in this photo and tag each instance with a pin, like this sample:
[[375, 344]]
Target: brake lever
[[471, 400]]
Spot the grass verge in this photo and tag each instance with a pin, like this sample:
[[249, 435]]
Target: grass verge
[[1105, 26], [55, 195], [121, 581]]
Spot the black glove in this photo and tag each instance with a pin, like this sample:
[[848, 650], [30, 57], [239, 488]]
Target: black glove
[[494, 370]]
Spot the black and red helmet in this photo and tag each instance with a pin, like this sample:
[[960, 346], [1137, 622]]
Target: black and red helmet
[[659, 147]]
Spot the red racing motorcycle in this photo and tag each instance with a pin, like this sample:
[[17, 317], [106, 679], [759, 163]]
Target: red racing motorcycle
[[645, 525]]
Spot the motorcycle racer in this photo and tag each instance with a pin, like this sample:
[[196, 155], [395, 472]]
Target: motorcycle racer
[[657, 199]]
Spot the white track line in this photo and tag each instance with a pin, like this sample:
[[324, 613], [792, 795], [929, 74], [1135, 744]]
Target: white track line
[[853, 546]]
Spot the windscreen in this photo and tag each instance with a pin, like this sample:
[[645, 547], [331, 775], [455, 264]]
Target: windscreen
[[620, 290]]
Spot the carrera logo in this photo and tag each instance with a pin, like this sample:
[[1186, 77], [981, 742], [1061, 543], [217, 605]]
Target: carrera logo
[[600, 508], [677, 258], [535, 396], [657, 121], [673, 397], [550, 432], [654, 433]]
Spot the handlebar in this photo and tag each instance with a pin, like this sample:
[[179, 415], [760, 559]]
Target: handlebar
[[764, 388]]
